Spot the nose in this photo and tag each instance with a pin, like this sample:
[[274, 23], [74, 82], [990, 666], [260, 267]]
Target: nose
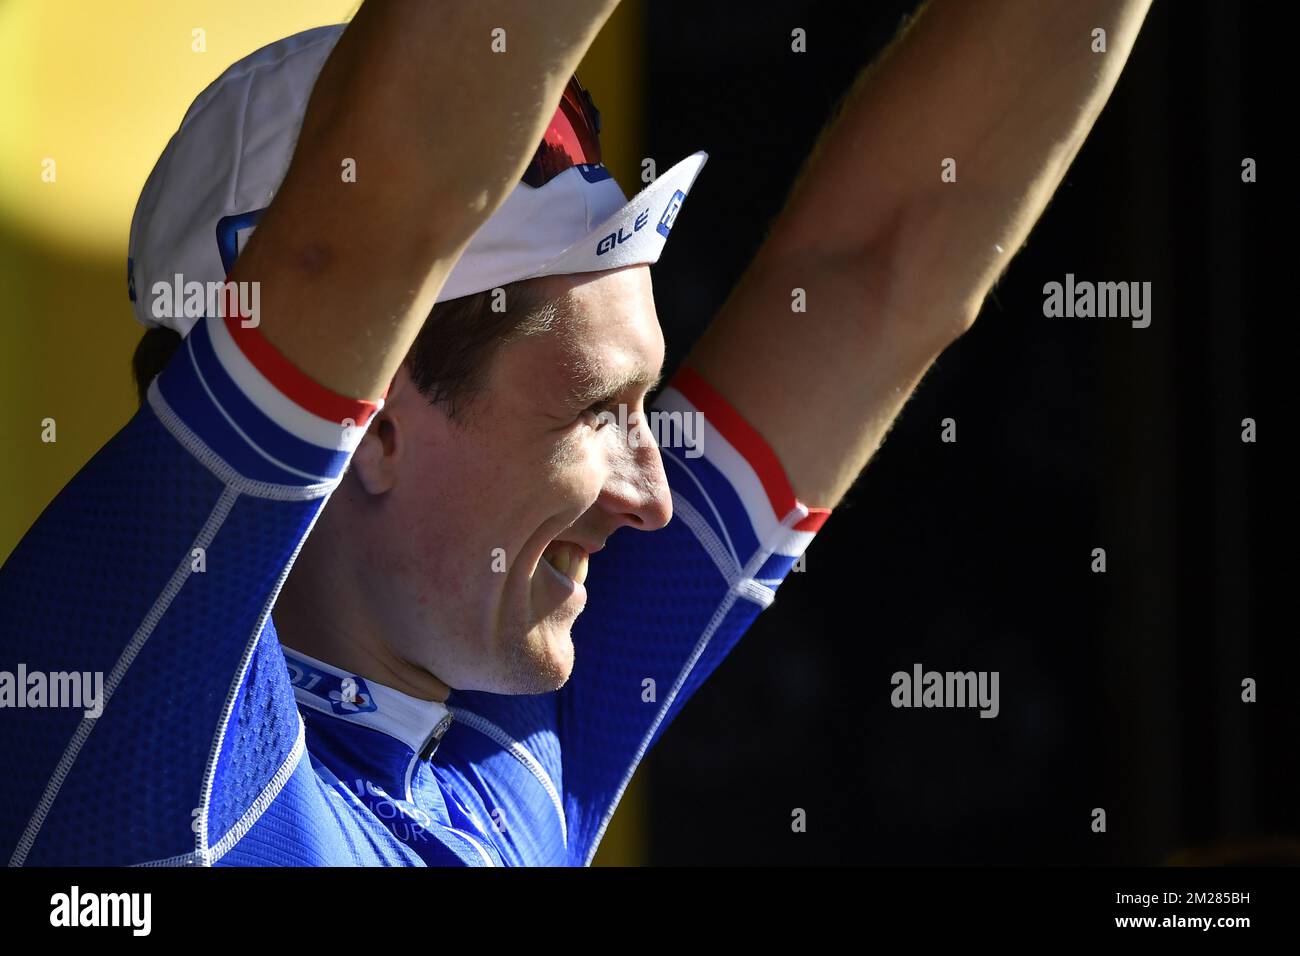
[[637, 490]]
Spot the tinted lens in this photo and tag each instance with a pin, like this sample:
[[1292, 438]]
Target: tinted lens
[[570, 139]]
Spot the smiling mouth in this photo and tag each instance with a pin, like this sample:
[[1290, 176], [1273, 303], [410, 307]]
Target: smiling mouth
[[568, 559]]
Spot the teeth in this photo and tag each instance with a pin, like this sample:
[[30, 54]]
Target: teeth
[[568, 559], [559, 558]]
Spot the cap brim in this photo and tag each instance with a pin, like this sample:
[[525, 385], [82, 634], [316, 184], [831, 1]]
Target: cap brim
[[636, 233]]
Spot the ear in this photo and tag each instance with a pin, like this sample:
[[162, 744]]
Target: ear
[[376, 460], [374, 463]]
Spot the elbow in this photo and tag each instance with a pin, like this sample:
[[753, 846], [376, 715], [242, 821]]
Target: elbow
[[927, 299], [935, 274]]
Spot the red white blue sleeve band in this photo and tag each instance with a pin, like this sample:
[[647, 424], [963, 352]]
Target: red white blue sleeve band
[[254, 410], [736, 455]]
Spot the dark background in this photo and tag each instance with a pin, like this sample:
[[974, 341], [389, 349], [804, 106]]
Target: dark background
[[1119, 691]]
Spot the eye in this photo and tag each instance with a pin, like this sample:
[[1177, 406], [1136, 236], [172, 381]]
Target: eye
[[591, 415]]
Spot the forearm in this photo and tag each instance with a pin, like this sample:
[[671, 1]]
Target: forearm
[[1006, 89], [418, 85], [440, 128], [893, 261]]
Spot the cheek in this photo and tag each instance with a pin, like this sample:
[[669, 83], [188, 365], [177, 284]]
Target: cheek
[[417, 553], [451, 508], [457, 501], [425, 522], [581, 465]]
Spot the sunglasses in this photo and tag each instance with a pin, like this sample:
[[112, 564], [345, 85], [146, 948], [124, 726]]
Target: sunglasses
[[572, 138]]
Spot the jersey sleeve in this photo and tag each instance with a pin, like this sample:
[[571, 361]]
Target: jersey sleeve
[[666, 607], [147, 584]]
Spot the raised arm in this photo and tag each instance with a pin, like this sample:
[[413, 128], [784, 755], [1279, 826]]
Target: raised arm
[[440, 127], [152, 575], [895, 262]]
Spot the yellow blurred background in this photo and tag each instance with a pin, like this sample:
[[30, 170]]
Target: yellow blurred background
[[89, 95]]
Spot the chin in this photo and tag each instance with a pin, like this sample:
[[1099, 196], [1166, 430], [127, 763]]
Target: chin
[[542, 661]]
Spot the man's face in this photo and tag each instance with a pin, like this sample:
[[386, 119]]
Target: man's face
[[463, 532]]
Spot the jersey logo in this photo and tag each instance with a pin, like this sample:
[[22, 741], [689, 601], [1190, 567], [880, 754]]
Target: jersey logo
[[404, 819], [345, 695]]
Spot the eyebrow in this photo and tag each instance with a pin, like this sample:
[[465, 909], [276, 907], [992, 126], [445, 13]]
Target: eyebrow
[[593, 387]]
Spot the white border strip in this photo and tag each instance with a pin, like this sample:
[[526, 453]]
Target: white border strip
[[194, 361], [260, 805], [278, 406], [222, 469], [232, 694], [727, 563], [734, 466]]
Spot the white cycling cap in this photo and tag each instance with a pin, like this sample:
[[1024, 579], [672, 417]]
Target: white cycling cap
[[224, 164]]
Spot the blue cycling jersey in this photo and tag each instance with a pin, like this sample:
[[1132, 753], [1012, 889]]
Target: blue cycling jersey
[[159, 565]]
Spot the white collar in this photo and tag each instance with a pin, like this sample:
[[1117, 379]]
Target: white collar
[[417, 723]]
